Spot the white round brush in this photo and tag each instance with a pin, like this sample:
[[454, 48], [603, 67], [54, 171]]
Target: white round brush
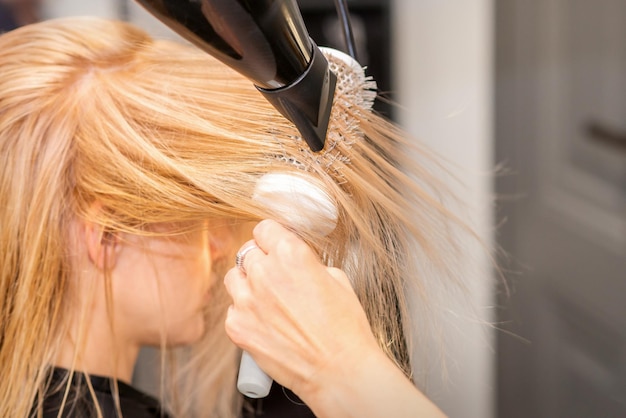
[[303, 206]]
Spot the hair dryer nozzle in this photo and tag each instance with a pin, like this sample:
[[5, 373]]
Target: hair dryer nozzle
[[307, 102], [266, 41]]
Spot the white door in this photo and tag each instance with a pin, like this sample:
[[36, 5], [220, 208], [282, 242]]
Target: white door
[[561, 130]]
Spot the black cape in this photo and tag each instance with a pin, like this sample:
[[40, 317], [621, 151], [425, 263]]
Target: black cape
[[280, 403]]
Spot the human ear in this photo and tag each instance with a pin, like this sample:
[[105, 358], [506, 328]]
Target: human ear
[[224, 239], [219, 243], [101, 245]]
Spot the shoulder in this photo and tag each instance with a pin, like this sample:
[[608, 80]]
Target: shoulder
[[88, 394]]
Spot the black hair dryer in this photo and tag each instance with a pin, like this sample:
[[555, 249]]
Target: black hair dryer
[[266, 41]]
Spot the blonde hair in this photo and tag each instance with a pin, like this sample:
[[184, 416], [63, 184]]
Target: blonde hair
[[93, 110]]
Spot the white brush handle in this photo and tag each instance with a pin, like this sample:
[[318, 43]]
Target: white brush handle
[[252, 381]]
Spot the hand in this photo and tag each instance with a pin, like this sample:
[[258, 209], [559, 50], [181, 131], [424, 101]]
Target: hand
[[304, 326], [300, 320]]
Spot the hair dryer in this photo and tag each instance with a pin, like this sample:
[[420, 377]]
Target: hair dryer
[[266, 41]]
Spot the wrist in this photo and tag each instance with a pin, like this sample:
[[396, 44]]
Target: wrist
[[330, 391], [366, 385]]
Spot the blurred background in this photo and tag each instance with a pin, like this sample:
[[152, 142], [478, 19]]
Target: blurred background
[[560, 113], [537, 87]]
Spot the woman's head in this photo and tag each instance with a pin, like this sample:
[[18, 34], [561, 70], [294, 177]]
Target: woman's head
[[101, 126], [146, 290]]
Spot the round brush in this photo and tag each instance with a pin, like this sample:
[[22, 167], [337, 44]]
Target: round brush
[[302, 206]]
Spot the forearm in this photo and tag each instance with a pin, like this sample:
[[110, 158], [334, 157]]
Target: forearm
[[374, 390]]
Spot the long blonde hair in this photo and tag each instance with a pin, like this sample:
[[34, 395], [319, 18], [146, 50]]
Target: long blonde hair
[[94, 110]]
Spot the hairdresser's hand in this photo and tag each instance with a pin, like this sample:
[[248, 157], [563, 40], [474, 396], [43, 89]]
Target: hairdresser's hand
[[304, 326], [296, 317]]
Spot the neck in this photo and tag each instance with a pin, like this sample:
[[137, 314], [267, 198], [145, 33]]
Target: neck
[[97, 351]]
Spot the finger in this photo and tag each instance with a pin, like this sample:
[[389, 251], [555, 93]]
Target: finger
[[240, 314], [245, 253], [238, 287], [233, 326], [277, 240], [268, 233]]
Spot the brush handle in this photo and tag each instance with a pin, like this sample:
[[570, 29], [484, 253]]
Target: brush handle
[[252, 381]]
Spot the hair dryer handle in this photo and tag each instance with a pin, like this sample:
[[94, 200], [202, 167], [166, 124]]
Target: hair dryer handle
[[252, 381]]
